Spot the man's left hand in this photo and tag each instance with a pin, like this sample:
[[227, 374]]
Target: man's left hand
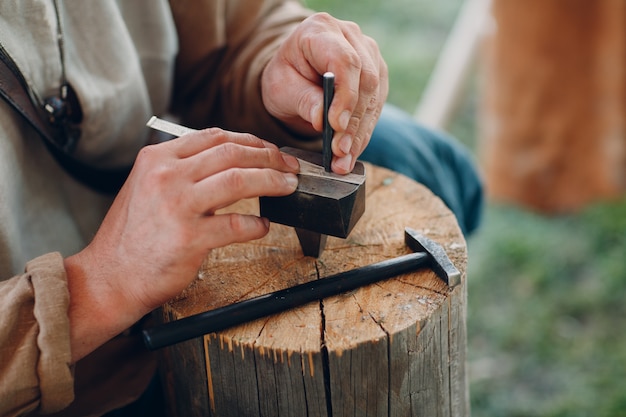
[[292, 88]]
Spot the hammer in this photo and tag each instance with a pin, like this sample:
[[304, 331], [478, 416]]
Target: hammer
[[427, 254]]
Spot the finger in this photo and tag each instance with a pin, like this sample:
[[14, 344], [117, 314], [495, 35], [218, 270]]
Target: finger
[[368, 82], [325, 47], [355, 124], [304, 108], [343, 164], [364, 83], [347, 146], [233, 155], [193, 143], [227, 187], [233, 228], [370, 117]]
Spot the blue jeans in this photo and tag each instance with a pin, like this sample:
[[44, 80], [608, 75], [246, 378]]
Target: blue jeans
[[439, 162]]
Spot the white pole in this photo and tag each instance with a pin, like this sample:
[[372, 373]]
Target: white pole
[[453, 65]]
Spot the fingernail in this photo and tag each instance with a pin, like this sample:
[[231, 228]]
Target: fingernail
[[292, 180], [345, 144], [344, 164], [291, 161], [266, 222], [344, 119]]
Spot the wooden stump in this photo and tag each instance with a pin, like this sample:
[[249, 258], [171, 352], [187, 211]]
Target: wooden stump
[[553, 125], [396, 348]]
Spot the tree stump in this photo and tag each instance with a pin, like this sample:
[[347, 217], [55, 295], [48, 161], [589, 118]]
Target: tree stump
[[553, 125], [395, 348]]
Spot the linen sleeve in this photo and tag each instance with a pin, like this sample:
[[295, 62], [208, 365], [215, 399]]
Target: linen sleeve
[[35, 357], [224, 46]]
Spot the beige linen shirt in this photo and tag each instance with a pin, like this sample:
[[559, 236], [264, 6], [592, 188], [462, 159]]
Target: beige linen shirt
[[127, 60]]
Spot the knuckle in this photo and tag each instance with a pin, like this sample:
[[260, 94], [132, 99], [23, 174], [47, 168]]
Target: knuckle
[[226, 151], [366, 127], [384, 69], [234, 179], [321, 18], [151, 161], [160, 179], [373, 104], [147, 155], [237, 224], [275, 182], [252, 140], [351, 27], [266, 157], [370, 81], [355, 121], [212, 136], [371, 43], [384, 79], [304, 101], [214, 131], [353, 59], [274, 157]]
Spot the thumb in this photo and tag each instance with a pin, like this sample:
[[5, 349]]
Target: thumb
[[292, 98]]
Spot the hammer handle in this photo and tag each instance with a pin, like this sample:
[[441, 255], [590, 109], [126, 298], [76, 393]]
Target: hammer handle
[[278, 301]]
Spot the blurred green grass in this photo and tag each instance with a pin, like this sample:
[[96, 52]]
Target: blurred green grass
[[547, 295]]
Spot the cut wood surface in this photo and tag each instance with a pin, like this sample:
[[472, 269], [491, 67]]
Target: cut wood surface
[[395, 348]]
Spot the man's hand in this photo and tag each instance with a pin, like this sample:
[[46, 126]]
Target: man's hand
[[162, 224], [292, 91]]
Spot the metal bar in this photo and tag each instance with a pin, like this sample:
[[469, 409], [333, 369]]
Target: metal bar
[[168, 127], [276, 302], [312, 170], [328, 85], [306, 168]]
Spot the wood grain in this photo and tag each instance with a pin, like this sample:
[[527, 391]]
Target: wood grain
[[395, 348]]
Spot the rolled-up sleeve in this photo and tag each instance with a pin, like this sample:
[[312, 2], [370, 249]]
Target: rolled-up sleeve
[[223, 48], [35, 356]]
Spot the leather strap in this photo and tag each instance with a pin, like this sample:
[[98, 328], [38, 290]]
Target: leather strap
[[15, 92]]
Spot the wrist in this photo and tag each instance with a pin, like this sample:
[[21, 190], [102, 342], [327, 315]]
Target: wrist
[[97, 311]]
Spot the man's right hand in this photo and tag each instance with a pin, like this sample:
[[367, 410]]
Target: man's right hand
[[162, 224]]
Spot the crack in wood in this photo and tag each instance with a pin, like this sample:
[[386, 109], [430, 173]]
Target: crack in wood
[[306, 395], [444, 293], [271, 277], [335, 370], [326, 363], [324, 352]]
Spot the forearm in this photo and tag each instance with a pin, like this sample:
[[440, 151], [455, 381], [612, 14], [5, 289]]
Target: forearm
[[218, 76]]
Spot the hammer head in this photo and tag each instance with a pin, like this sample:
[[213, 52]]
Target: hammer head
[[321, 204], [439, 261]]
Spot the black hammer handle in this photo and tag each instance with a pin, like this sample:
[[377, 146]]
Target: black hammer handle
[[276, 302]]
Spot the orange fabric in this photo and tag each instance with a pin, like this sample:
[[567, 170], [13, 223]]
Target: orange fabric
[[35, 352]]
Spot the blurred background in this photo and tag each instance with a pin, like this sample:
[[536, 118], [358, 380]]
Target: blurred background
[[537, 90]]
